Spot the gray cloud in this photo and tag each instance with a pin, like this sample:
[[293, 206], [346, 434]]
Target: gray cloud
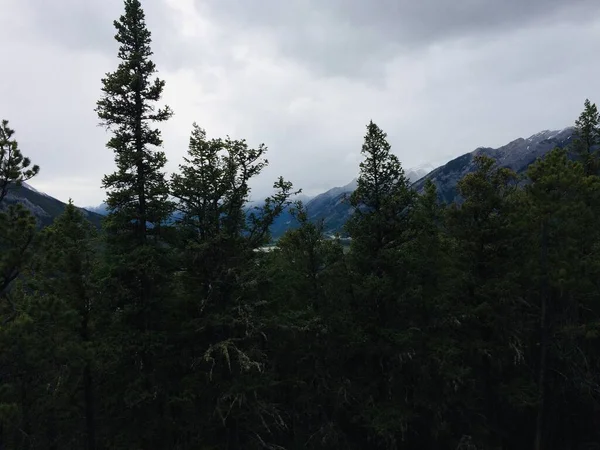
[[352, 37], [332, 37], [85, 25], [72, 23]]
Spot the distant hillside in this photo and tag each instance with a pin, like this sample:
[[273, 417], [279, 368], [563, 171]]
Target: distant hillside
[[44, 207]]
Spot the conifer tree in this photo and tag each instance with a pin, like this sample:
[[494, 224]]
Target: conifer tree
[[219, 273], [561, 208], [382, 204], [213, 190], [428, 289], [50, 355], [493, 329], [17, 232], [381, 199], [14, 167], [66, 270], [137, 191], [309, 299], [306, 257], [587, 129], [17, 225], [138, 268]]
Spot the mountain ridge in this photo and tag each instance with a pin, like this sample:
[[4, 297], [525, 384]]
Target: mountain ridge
[[44, 207], [517, 155]]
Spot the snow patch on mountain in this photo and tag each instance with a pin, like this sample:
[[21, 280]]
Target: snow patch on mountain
[[31, 188]]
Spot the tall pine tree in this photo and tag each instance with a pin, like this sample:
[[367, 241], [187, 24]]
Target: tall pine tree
[[16, 223], [14, 167], [138, 269], [17, 232], [381, 199], [587, 129], [382, 202], [137, 191], [222, 328]]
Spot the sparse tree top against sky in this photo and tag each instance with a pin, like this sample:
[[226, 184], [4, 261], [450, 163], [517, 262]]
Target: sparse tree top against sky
[[587, 136], [15, 168]]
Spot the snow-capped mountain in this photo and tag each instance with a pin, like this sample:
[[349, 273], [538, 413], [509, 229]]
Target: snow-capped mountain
[[31, 188]]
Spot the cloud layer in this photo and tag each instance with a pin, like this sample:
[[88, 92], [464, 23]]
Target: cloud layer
[[302, 76]]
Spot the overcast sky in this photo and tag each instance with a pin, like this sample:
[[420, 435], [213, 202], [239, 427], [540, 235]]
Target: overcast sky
[[440, 77]]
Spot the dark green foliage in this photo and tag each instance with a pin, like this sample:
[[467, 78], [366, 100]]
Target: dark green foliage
[[311, 337], [138, 264], [381, 201], [224, 377], [14, 167], [17, 236], [49, 351], [562, 211], [17, 226], [137, 191], [587, 128], [489, 304]]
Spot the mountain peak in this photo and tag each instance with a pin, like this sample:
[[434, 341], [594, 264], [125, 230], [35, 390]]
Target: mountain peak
[[550, 134], [31, 188]]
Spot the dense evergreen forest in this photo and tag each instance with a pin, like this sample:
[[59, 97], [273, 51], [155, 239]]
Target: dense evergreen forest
[[465, 326]]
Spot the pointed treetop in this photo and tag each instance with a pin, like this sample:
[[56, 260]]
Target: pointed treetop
[[14, 167], [587, 130]]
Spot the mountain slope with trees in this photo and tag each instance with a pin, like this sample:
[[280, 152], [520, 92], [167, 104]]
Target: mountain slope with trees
[[44, 207]]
